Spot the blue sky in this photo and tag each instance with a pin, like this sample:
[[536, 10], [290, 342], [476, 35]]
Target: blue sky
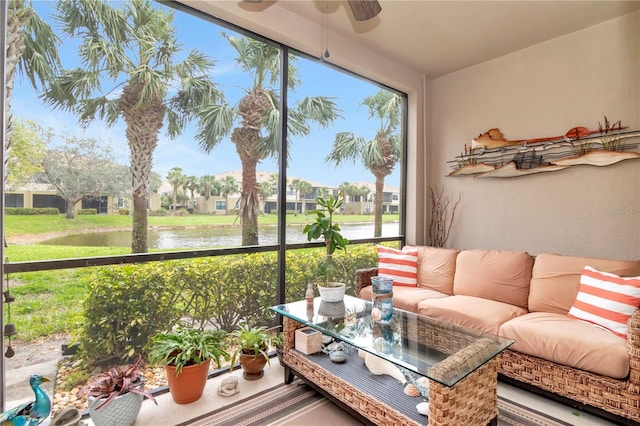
[[306, 153]]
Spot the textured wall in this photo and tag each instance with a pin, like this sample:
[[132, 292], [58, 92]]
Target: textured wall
[[543, 91]]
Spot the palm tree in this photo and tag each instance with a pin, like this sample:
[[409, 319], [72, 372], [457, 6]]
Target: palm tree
[[265, 189], [228, 185], [32, 51], [193, 183], [380, 154], [304, 188], [345, 190], [294, 186], [209, 186], [177, 181], [257, 118], [133, 47]]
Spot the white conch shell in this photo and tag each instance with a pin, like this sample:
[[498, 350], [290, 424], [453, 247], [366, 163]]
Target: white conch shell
[[423, 408], [380, 366]]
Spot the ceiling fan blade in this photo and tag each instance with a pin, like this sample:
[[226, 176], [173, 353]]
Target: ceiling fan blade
[[364, 9]]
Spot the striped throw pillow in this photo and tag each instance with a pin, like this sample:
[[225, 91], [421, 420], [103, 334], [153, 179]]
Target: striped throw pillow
[[606, 300], [401, 265]]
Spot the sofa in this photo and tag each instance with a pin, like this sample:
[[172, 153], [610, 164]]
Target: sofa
[[528, 298]]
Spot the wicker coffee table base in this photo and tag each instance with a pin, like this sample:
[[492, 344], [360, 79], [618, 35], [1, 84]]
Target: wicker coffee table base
[[472, 401]]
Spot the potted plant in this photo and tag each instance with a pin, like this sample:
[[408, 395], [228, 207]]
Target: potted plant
[[115, 396], [277, 341], [323, 226], [186, 354], [251, 345]]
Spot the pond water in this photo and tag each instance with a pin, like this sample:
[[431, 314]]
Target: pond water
[[224, 236]]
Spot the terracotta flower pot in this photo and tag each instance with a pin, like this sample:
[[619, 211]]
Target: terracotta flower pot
[[252, 366], [187, 386]]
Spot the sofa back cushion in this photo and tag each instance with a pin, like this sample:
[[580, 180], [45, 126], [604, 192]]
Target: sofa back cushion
[[436, 267], [503, 276], [556, 279]]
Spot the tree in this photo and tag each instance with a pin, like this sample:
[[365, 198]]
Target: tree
[[379, 155], [32, 51], [135, 49], [27, 153], [265, 189], [208, 188], [193, 183], [257, 118], [177, 181], [228, 185], [84, 168], [304, 188], [345, 190]]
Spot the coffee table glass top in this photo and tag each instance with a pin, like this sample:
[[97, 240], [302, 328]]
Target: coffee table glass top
[[438, 350]]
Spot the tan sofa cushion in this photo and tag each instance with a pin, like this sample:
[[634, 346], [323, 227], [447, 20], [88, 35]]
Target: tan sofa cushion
[[468, 311], [556, 279], [406, 298], [502, 276], [569, 342], [436, 267]]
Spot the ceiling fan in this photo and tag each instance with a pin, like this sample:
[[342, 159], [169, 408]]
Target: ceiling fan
[[362, 10]]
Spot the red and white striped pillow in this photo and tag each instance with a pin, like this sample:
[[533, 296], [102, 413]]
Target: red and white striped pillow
[[606, 300], [401, 265]]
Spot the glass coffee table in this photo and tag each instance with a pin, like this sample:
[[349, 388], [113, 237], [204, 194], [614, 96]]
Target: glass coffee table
[[453, 368]]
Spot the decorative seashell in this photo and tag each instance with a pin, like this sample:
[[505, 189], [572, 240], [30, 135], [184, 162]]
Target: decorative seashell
[[378, 366], [376, 314], [338, 356], [423, 408], [326, 339], [423, 381], [411, 390]]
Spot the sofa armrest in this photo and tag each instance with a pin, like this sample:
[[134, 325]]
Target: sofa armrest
[[633, 347], [363, 278]]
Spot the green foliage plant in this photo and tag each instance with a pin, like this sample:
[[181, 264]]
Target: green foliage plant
[[251, 340], [324, 227], [184, 346], [117, 381]]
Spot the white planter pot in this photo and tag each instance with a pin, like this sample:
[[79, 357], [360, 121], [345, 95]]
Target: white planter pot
[[332, 294], [122, 411]]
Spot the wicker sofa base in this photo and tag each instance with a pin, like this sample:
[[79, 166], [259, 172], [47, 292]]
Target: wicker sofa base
[[472, 401], [619, 398]]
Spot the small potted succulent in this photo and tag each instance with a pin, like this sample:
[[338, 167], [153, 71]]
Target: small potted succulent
[[277, 341], [324, 227], [252, 344], [186, 354], [115, 396]]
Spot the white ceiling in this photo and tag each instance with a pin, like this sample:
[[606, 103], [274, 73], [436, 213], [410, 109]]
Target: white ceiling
[[439, 37]]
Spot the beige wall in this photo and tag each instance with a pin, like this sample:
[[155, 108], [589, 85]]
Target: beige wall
[[544, 91]]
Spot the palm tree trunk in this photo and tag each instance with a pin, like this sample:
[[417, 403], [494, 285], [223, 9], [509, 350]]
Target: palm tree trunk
[[249, 202], [143, 125], [140, 222], [377, 230]]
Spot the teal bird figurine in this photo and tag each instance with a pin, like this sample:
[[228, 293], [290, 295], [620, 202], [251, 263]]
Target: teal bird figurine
[[30, 413]]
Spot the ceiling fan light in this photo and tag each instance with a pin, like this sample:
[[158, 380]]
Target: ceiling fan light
[[252, 1], [364, 10]]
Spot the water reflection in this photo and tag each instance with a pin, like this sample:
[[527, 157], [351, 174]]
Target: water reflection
[[210, 237]]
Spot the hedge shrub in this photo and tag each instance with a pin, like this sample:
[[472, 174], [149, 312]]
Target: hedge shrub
[[23, 211], [88, 212], [126, 305]]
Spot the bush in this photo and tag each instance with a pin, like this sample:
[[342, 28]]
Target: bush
[[159, 212], [126, 305], [87, 212], [124, 211], [22, 211]]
